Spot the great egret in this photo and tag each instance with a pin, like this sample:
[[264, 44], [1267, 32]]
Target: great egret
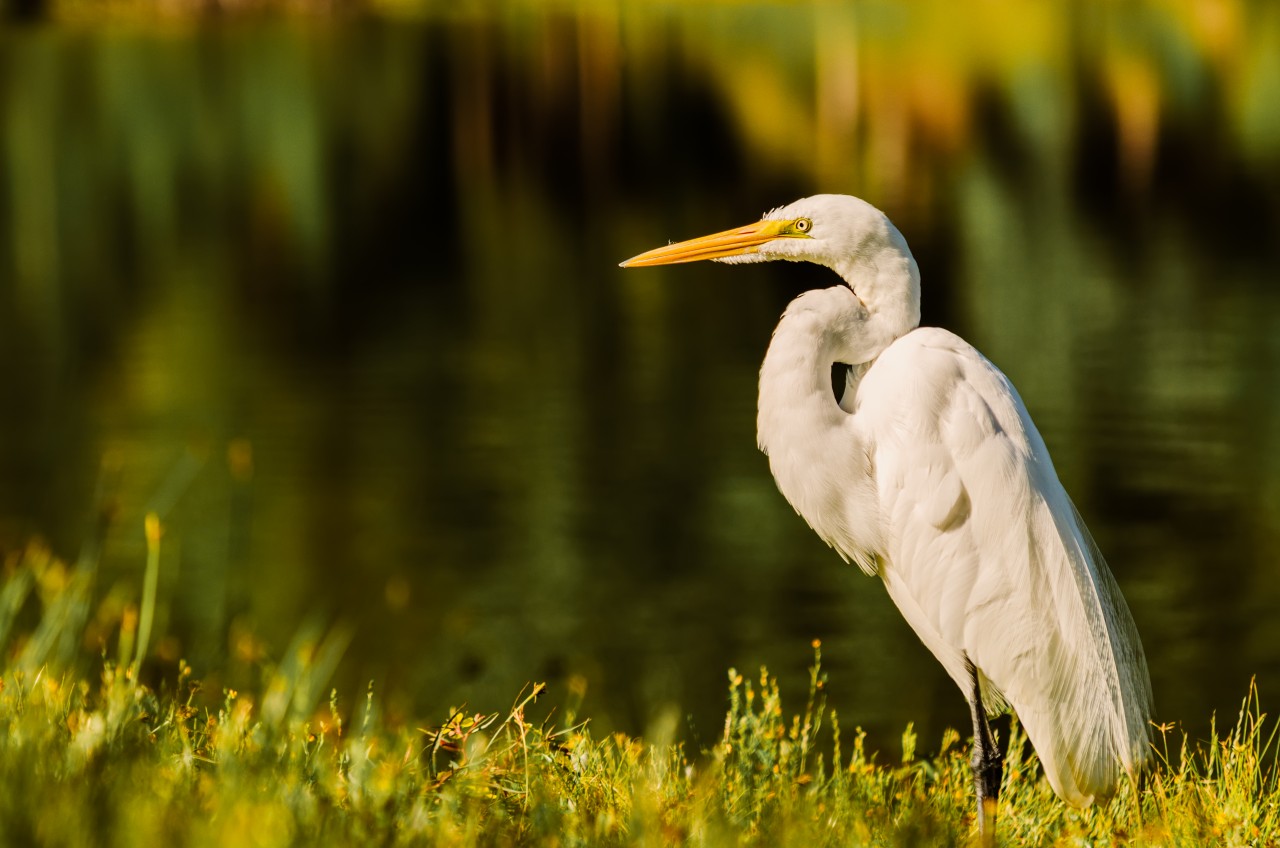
[[928, 471]]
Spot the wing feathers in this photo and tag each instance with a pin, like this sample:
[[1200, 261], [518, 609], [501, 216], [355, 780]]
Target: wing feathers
[[987, 557]]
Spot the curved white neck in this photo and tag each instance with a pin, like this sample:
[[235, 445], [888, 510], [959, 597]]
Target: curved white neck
[[819, 328], [886, 283], [809, 439]]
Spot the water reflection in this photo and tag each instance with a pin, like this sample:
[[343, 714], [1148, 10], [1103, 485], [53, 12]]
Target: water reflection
[[343, 305]]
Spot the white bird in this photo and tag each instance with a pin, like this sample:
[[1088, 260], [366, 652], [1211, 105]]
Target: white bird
[[928, 471]]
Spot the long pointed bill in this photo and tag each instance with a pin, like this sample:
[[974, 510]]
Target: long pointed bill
[[733, 242]]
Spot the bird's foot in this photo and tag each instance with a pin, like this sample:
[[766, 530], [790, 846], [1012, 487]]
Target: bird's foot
[[987, 822], [987, 772]]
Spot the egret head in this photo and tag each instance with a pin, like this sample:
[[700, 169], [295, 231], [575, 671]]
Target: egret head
[[846, 234]]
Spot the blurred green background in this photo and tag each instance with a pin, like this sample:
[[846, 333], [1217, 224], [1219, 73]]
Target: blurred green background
[[334, 290]]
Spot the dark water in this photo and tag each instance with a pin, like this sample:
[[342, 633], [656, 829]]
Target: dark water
[[341, 303]]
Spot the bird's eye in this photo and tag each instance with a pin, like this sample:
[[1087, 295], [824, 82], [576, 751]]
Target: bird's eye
[[802, 225]]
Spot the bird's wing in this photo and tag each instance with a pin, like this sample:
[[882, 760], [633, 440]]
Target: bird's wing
[[988, 559]]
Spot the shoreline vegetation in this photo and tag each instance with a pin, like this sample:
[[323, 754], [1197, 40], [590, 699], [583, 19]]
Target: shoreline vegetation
[[92, 755]]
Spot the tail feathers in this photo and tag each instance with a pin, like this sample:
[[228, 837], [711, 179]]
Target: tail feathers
[[1088, 715], [1082, 763]]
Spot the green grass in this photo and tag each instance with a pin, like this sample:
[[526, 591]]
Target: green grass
[[91, 756]]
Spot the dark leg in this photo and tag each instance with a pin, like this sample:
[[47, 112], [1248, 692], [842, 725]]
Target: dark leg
[[988, 765]]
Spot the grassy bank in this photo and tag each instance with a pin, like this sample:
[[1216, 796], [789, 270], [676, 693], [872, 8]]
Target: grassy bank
[[91, 756]]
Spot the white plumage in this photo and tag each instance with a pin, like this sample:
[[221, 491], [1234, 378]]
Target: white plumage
[[929, 472]]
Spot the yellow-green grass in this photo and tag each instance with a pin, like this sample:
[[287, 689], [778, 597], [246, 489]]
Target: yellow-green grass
[[91, 756]]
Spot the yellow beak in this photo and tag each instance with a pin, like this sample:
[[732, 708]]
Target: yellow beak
[[733, 242]]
